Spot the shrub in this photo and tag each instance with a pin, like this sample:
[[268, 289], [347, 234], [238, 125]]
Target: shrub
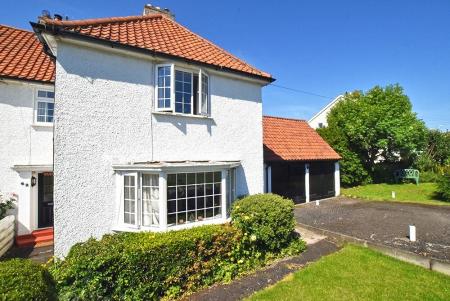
[[443, 187], [429, 177], [21, 279], [265, 219], [148, 265], [6, 203]]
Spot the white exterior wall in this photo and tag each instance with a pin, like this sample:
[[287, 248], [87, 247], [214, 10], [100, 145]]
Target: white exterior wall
[[22, 143], [104, 117], [322, 116]]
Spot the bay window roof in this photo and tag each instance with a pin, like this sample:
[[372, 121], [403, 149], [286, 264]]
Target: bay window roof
[[168, 165]]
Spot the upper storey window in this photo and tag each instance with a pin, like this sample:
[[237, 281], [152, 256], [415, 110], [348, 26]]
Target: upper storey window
[[45, 102], [182, 91]]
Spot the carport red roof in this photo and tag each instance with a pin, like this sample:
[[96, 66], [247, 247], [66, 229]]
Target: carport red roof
[[22, 56], [292, 139], [157, 33]]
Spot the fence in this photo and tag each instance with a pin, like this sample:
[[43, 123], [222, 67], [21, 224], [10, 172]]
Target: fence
[[6, 234]]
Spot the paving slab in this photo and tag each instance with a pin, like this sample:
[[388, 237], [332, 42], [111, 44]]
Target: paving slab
[[385, 223]]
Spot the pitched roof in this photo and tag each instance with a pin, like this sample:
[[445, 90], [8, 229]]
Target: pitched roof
[[160, 34], [291, 139], [22, 56]]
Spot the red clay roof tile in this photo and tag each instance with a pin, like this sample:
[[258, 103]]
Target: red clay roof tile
[[159, 33], [291, 139], [22, 56]]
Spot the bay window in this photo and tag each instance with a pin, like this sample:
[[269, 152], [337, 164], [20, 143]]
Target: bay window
[[182, 91], [165, 199]]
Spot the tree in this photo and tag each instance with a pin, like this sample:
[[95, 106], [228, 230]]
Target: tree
[[436, 155], [374, 129]]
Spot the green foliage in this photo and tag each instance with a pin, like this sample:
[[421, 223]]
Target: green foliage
[[429, 177], [372, 127], [267, 220], [6, 203], [436, 156], [443, 187], [21, 279], [150, 266]]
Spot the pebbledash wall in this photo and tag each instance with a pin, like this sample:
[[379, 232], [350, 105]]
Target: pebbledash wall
[[104, 116], [22, 142]]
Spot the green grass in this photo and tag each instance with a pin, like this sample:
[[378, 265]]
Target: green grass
[[410, 193], [357, 273]]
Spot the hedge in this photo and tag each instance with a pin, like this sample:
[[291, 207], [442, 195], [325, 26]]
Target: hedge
[[21, 279], [150, 266]]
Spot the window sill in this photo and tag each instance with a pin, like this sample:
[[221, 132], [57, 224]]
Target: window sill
[[182, 115], [42, 125], [132, 228]]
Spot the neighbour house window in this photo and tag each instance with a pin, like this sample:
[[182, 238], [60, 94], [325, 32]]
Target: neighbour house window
[[193, 197], [182, 91], [44, 106]]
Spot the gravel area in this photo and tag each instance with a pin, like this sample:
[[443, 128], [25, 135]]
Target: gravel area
[[383, 223]]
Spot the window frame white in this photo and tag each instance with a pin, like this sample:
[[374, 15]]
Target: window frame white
[[192, 91], [136, 201], [172, 88], [202, 73], [46, 100], [163, 200], [171, 110]]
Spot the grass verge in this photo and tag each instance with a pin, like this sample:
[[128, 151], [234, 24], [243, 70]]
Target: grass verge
[[357, 273], [408, 193]]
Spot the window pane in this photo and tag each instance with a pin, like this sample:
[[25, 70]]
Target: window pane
[[42, 94], [51, 94], [189, 196], [217, 176], [171, 179], [183, 93], [150, 197], [164, 86], [129, 196]]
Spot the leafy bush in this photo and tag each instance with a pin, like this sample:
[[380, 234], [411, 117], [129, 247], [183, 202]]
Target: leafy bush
[[429, 177], [443, 187], [6, 203], [149, 266], [21, 279], [267, 220]]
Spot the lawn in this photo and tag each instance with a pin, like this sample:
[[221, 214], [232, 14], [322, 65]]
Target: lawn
[[410, 193], [357, 273]]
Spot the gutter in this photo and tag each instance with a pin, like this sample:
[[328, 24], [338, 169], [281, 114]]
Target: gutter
[[57, 30]]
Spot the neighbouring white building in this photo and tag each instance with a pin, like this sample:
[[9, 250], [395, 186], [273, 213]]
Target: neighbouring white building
[[320, 119], [26, 132]]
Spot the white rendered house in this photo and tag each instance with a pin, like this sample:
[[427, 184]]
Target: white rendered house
[[320, 119], [155, 128], [26, 133]]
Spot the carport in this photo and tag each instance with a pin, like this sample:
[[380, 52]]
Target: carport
[[298, 163]]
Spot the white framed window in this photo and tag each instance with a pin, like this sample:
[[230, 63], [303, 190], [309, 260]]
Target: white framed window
[[204, 94], [150, 199], [44, 107], [193, 197], [130, 199], [182, 91], [164, 87]]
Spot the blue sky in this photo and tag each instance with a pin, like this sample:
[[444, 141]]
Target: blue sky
[[326, 47]]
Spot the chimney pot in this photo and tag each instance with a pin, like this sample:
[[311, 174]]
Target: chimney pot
[[151, 9]]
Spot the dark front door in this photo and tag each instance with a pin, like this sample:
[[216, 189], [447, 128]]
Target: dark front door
[[45, 200]]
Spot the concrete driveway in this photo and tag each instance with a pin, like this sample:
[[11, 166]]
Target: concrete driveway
[[383, 223]]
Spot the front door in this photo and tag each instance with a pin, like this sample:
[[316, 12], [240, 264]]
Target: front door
[[45, 200]]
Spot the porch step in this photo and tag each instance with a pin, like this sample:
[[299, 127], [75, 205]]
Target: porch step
[[37, 238]]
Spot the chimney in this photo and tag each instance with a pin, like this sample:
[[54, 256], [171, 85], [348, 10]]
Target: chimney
[[151, 9]]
